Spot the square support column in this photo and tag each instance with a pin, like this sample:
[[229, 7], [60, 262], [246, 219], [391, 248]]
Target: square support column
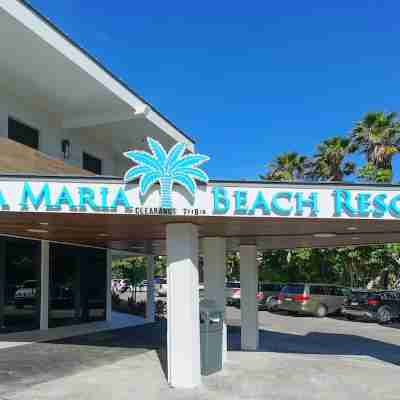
[[214, 278], [248, 294], [44, 284], [2, 282], [108, 286], [150, 303], [183, 336]]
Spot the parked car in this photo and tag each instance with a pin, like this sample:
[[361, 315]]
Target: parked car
[[312, 299], [124, 285], [375, 305], [270, 291], [230, 288], [270, 288], [234, 297], [115, 284], [162, 288], [26, 294], [271, 303]]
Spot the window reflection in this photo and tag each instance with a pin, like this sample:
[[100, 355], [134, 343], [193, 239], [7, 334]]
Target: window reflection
[[77, 285], [20, 285]]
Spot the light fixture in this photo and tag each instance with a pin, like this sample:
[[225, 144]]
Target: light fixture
[[352, 228], [355, 238], [324, 235], [44, 223], [66, 148], [103, 235], [37, 231]]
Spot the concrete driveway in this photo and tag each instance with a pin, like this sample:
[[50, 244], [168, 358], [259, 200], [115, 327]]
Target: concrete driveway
[[299, 358]]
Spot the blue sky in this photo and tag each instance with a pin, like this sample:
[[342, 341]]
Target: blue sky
[[247, 82]]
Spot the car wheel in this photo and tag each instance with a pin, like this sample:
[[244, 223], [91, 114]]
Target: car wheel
[[321, 311], [350, 317], [384, 315]]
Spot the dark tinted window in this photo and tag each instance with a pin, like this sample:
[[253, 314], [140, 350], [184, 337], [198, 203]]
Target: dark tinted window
[[339, 291], [271, 287], [388, 296], [30, 285], [318, 290], [235, 285], [92, 164], [22, 133], [293, 289]]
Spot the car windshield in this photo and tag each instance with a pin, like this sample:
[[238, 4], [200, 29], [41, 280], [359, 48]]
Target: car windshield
[[293, 289]]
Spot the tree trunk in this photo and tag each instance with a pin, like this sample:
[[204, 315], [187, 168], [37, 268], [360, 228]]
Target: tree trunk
[[166, 192]]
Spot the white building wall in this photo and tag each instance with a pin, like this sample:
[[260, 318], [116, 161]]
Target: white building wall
[[51, 134]]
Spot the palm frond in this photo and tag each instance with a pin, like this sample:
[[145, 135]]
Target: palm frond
[[157, 150], [143, 158], [134, 172], [187, 182], [175, 154], [147, 181], [189, 161], [195, 172]]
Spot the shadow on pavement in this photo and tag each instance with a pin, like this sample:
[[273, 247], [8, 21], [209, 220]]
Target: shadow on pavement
[[31, 364], [319, 343]]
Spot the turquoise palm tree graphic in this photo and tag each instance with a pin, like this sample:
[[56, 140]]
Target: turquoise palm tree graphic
[[166, 169]]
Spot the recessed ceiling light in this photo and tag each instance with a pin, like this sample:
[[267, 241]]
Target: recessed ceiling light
[[324, 235], [352, 228], [37, 231], [103, 234], [44, 223], [355, 238]]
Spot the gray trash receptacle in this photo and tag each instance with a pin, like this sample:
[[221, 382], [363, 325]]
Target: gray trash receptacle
[[211, 332]]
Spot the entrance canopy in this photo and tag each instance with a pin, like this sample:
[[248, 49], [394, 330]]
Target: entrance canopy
[[107, 212]]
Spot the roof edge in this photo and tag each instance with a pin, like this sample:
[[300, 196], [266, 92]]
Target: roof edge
[[47, 21]]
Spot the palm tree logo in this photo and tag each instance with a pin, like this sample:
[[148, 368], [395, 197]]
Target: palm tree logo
[[166, 169]]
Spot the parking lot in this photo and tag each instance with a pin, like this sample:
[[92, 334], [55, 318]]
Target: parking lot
[[298, 358]]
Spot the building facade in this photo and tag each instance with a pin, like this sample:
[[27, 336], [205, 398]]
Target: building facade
[[62, 114]]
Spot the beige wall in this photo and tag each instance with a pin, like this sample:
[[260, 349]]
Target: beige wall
[[51, 134]]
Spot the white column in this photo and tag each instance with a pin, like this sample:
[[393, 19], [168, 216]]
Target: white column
[[248, 300], [108, 286], [150, 303], [183, 335], [44, 284], [214, 278]]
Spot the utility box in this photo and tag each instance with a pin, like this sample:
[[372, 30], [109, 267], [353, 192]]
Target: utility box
[[211, 336]]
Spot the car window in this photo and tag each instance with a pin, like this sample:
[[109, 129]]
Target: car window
[[387, 296], [233, 285], [339, 291], [317, 290], [268, 287], [293, 289]]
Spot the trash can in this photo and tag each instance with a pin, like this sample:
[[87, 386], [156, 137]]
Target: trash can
[[211, 332]]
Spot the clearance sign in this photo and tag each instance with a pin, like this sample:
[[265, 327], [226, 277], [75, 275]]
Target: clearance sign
[[212, 199]]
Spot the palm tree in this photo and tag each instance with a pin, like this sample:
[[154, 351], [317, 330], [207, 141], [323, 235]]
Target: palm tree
[[377, 135], [329, 162], [166, 169], [286, 167]]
